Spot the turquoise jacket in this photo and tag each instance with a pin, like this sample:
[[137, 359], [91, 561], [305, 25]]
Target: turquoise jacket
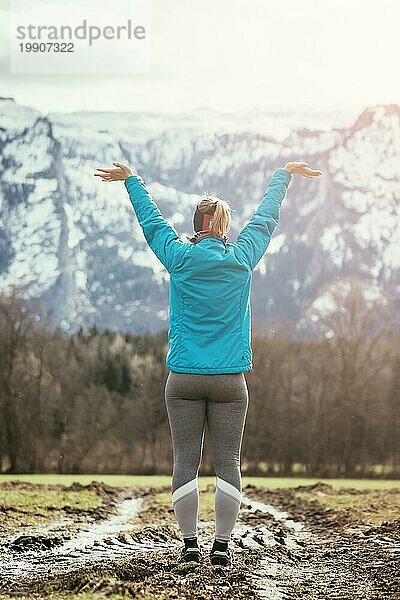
[[210, 281]]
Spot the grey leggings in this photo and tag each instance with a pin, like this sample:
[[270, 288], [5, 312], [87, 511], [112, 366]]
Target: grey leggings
[[221, 401]]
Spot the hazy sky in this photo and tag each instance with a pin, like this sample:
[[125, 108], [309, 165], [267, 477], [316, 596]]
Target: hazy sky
[[235, 54]]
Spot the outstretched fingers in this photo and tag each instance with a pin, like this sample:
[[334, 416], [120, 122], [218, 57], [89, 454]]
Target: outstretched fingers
[[307, 172], [119, 173], [104, 176], [107, 174]]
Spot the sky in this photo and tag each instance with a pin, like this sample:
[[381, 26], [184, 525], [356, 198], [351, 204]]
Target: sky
[[232, 55]]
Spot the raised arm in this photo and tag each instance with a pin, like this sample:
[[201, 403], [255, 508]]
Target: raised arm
[[255, 237], [162, 238]]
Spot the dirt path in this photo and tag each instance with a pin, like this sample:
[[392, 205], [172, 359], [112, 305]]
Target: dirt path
[[320, 554], [285, 548]]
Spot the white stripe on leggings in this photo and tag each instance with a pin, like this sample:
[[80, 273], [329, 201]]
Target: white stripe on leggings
[[184, 490], [229, 489]]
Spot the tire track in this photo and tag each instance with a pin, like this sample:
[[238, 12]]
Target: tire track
[[108, 540], [299, 560], [298, 553]]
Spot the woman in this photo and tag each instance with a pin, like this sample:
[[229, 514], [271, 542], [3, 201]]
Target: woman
[[209, 342]]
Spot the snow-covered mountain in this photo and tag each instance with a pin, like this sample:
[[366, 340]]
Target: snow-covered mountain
[[77, 243]]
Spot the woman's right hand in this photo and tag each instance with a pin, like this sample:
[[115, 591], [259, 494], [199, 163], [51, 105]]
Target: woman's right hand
[[120, 173], [302, 168]]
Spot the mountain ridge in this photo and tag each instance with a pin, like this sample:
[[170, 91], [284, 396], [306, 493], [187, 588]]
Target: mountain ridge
[[79, 243]]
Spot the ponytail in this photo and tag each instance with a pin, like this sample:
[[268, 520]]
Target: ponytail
[[221, 219], [212, 216]]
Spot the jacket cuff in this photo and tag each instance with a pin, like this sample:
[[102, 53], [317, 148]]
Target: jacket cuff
[[285, 173], [132, 179]]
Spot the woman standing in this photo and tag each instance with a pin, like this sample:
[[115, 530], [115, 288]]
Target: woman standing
[[209, 342]]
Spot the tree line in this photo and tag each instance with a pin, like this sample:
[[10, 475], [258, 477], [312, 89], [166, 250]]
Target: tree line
[[92, 401]]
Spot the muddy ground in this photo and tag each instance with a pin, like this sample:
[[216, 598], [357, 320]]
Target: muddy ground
[[311, 542]]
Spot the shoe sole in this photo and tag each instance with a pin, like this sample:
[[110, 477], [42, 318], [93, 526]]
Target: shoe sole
[[186, 561], [215, 563]]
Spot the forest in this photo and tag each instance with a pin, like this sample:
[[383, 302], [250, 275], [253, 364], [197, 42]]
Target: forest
[[325, 405]]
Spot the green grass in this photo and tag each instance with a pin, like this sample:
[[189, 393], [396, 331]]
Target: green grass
[[79, 596], [373, 507], [34, 507], [33, 500], [158, 481], [298, 469]]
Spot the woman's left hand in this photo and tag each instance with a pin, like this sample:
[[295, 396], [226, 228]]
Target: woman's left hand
[[121, 173], [302, 168]]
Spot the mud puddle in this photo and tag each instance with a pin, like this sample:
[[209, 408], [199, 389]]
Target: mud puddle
[[323, 553], [69, 544], [286, 546]]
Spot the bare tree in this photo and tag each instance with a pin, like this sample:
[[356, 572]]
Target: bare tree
[[16, 324], [354, 317]]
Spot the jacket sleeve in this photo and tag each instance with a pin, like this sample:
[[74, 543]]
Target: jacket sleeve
[[162, 238], [254, 238]]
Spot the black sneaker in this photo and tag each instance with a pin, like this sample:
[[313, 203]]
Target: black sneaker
[[221, 554], [190, 552]]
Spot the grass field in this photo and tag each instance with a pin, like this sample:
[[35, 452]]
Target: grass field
[[160, 481]]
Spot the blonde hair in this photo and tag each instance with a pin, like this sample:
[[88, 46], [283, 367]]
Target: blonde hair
[[221, 214]]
